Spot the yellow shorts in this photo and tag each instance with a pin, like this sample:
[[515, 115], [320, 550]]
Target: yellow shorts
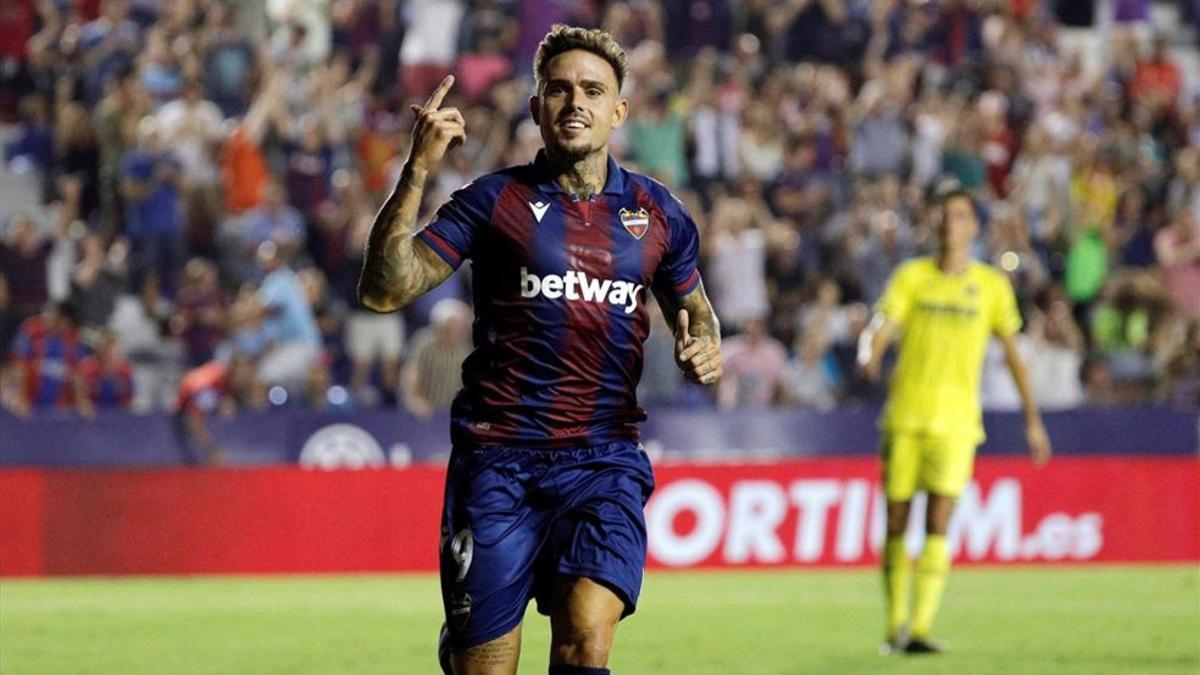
[[914, 461]]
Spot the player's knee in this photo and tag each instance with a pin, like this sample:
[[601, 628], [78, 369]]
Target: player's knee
[[937, 514], [584, 646], [897, 518]]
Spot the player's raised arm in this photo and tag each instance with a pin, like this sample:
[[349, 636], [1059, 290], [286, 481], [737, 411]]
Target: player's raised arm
[[397, 268], [697, 334]]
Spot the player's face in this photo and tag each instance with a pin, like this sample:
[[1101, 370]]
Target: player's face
[[959, 224], [578, 105]]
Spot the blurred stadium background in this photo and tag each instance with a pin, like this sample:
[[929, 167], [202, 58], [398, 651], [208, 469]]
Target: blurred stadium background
[[173, 168]]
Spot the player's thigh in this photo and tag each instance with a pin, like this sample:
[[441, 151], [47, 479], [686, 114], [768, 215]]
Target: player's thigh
[[494, 657], [601, 532], [490, 542], [946, 465], [583, 621], [901, 454]]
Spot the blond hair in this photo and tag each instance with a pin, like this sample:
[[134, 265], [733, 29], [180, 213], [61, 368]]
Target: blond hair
[[563, 38]]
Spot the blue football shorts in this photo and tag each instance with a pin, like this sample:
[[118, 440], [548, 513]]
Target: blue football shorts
[[516, 518]]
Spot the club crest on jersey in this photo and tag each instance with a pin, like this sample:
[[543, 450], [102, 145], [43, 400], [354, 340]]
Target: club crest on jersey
[[635, 222]]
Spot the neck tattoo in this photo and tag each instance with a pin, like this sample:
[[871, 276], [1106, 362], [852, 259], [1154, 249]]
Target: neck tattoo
[[583, 179]]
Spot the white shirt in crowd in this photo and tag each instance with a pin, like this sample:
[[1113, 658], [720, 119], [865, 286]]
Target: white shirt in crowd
[[738, 273], [192, 130], [432, 34]]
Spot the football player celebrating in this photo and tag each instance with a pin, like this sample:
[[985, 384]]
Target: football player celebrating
[[547, 480]]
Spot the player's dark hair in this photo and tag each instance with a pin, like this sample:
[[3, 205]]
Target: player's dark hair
[[563, 38], [955, 194], [943, 197], [953, 191]]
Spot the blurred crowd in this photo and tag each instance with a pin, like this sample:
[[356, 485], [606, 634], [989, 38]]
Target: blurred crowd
[[188, 185]]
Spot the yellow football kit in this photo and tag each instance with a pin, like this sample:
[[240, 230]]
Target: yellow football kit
[[932, 421]]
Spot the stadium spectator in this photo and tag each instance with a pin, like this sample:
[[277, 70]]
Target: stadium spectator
[[162, 72], [1098, 383], [1177, 248], [811, 134], [754, 363], [430, 43], [309, 148], [293, 339], [658, 140], [231, 63], [243, 166], [826, 318], [737, 251], [108, 375], [107, 41], [98, 279], [374, 340], [880, 145], [329, 315], [1055, 354], [76, 168], [192, 127], [115, 121], [761, 150], [198, 317], [1122, 323], [216, 387], [44, 365], [433, 373], [152, 186], [24, 252], [1158, 80], [1181, 386], [275, 221], [140, 323], [698, 24], [30, 154], [810, 379]]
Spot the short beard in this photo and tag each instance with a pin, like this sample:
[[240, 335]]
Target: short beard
[[572, 155]]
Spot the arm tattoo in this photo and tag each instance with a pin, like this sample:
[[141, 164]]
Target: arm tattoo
[[701, 317], [396, 268], [702, 320]]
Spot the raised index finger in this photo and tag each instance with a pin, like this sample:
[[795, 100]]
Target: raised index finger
[[438, 94]]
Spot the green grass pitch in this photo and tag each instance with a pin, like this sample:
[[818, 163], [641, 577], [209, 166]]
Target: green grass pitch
[[1096, 619]]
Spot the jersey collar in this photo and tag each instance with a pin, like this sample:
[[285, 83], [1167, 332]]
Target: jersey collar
[[614, 183]]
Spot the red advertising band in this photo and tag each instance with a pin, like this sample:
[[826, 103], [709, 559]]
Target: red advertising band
[[794, 513]]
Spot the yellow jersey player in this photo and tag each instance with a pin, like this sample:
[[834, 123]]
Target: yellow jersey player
[[944, 309]]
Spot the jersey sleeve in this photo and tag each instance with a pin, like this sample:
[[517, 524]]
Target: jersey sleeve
[[1006, 317], [897, 297], [456, 226], [678, 270]]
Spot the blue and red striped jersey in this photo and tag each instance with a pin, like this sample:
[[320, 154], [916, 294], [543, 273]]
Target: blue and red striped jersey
[[49, 356], [560, 292]]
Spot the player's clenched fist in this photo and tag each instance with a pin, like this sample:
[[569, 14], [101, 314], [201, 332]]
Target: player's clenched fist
[[699, 357], [437, 129]]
